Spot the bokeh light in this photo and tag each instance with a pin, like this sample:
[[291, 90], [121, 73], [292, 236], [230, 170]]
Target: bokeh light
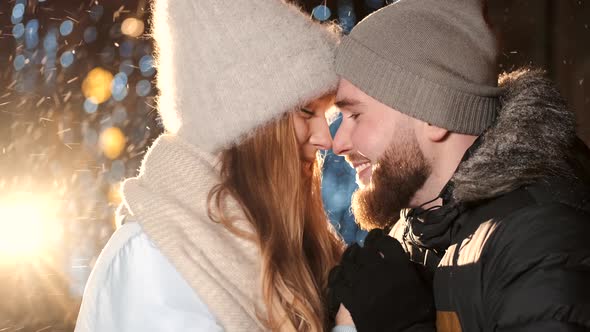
[[18, 12], [18, 31], [321, 13], [19, 62], [32, 34], [126, 49], [90, 105], [112, 142], [143, 88], [90, 35], [132, 27], [28, 225], [66, 59], [146, 65], [66, 28], [97, 85]]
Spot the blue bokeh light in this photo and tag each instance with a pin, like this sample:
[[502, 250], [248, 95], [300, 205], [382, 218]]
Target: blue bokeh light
[[19, 62], [119, 115], [143, 88], [338, 184], [120, 93], [50, 42], [321, 13], [18, 11], [66, 59], [90, 106], [90, 35], [346, 15], [146, 65], [18, 31], [32, 34], [66, 27], [126, 49], [119, 86]]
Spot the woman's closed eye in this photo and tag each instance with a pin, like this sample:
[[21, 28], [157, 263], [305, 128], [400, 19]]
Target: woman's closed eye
[[307, 114]]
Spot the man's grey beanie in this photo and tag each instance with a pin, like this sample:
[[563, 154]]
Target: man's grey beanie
[[434, 60]]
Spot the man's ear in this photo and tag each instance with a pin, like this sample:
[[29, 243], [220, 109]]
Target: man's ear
[[434, 133]]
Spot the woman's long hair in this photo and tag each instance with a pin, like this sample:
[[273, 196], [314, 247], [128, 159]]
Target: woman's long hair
[[280, 195]]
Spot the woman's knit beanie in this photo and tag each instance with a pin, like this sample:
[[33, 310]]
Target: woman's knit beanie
[[227, 67]]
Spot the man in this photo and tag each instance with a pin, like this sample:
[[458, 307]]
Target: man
[[494, 176]]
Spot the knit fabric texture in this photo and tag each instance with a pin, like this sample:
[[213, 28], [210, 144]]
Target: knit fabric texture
[[224, 68], [169, 200], [430, 59]]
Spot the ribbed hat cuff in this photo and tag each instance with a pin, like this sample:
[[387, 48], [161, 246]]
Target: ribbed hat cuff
[[411, 94]]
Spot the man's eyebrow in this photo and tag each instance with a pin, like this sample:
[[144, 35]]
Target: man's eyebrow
[[346, 103]]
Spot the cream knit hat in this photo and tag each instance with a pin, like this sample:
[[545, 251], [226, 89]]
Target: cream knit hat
[[226, 67]]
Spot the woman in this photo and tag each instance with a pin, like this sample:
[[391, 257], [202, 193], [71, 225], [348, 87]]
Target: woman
[[224, 227]]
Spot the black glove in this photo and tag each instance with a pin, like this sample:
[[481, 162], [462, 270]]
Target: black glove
[[381, 288]]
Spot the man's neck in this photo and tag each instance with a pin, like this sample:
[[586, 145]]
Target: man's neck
[[444, 162]]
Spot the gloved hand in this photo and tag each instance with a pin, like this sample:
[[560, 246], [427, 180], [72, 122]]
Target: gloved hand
[[381, 287]]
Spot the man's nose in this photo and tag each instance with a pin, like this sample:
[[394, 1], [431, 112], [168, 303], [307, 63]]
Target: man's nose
[[342, 144]]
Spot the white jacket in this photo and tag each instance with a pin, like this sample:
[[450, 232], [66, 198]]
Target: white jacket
[[133, 288]]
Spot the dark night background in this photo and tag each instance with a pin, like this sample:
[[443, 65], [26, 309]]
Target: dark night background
[[63, 154]]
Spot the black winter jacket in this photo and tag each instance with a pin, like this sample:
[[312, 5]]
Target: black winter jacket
[[510, 247]]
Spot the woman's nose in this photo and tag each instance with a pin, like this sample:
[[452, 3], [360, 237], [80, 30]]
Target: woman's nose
[[320, 135]]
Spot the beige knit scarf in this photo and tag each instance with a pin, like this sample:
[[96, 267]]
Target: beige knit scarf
[[169, 200]]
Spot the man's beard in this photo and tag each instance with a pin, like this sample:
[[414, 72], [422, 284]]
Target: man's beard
[[400, 173]]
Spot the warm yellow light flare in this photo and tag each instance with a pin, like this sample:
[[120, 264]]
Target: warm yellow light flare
[[114, 195], [97, 85], [132, 27], [112, 142], [28, 226]]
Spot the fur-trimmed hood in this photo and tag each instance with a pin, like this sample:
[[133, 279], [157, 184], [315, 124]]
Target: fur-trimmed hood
[[530, 140]]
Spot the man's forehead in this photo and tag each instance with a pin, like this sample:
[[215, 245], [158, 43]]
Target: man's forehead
[[347, 94]]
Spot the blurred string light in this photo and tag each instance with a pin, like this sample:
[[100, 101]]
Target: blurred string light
[[29, 226], [112, 142]]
